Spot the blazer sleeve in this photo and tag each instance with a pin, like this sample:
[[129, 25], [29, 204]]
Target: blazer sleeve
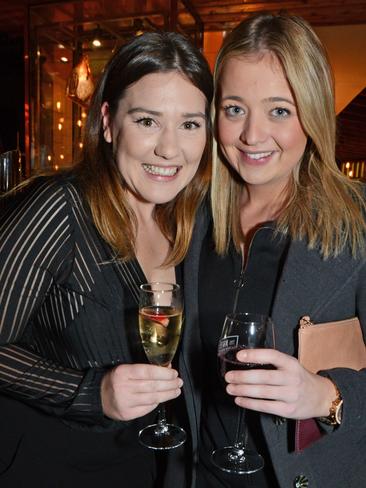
[[36, 249], [352, 384]]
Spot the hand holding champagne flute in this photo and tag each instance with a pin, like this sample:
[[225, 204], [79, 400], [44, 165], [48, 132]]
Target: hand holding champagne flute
[[160, 322]]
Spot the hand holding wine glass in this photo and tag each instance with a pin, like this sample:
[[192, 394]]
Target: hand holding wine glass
[[160, 322], [241, 331]]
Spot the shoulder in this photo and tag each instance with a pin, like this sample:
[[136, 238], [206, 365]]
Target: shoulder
[[42, 201], [44, 191]]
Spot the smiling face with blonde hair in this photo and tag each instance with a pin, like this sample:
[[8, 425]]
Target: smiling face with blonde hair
[[259, 130]]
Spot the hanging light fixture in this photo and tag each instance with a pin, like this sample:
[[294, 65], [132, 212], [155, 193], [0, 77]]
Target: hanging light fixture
[[97, 38]]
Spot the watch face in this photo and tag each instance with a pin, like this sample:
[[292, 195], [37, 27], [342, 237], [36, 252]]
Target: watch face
[[338, 412]]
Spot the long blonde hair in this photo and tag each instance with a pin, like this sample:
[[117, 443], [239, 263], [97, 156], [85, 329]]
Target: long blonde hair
[[323, 206]]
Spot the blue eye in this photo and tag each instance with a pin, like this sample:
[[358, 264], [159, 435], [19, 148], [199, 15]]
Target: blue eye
[[233, 110], [280, 112]]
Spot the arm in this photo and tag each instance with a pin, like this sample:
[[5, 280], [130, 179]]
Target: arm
[[293, 392], [36, 242], [36, 248]]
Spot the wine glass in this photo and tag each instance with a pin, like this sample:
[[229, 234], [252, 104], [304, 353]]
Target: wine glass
[[241, 331], [160, 322]]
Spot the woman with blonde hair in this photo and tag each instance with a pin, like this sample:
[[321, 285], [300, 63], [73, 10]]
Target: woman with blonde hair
[[288, 240], [76, 387]]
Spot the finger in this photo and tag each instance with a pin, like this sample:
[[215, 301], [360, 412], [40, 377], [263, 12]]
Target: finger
[[146, 371], [151, 386], [255, 376], [267, 406], [272, 357], [260, 392], [149, 399]]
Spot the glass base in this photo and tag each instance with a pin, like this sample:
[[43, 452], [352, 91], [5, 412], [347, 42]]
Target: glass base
[[167, 436], [236, 460]]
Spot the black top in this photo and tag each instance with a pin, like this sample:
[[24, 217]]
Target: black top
[[219, 278], [66, 316]]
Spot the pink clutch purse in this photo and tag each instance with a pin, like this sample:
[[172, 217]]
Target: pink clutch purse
[[325, 346]]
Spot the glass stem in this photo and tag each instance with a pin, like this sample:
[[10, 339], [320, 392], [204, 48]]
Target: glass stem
[[241, 430], [161, 426]]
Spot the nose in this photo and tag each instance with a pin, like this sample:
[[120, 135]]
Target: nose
[[167, 145], [255, 130]]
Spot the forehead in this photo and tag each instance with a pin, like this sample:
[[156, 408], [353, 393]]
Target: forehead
[[261, 72], [170, 87]]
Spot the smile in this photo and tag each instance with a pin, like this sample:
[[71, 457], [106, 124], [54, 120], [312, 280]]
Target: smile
[[258, 155], [160, 170]]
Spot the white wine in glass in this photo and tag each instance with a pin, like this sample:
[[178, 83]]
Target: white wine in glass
[[160, 323]]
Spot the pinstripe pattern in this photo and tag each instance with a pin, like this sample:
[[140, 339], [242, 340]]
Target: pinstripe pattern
[[61, 299]]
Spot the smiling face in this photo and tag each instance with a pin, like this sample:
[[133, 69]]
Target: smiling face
[[258, 127], [158, 135]]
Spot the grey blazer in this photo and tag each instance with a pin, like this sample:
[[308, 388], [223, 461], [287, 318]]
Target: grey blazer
[[326, 290]]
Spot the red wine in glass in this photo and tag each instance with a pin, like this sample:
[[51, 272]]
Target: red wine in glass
[[241, 331]]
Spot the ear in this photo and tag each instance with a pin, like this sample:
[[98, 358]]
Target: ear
[[106, 122]]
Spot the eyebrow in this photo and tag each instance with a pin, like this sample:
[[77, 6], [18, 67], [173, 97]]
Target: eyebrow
[[269, 99], [157, 114]]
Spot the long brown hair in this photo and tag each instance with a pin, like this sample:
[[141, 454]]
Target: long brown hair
[[102, 183], [323, 205]]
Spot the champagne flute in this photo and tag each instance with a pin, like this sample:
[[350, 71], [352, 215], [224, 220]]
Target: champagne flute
[[160, 322], [241, 331]]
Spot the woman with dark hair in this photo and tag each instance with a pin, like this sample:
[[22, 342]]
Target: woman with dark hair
[[75, 385], [288, 240]]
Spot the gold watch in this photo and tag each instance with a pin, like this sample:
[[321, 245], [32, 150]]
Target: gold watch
[[335, 411]]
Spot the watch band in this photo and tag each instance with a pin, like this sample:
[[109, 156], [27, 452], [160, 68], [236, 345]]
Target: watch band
[[335, 411]]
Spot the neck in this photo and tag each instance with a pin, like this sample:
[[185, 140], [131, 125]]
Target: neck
[[269, 200], [143, 211], [260, 204]]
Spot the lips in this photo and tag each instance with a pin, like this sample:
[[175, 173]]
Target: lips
[[256, 158], [160, 170]]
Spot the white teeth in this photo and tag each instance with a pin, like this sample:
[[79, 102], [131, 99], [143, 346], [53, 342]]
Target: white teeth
[[159, 170], [258, 155]]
